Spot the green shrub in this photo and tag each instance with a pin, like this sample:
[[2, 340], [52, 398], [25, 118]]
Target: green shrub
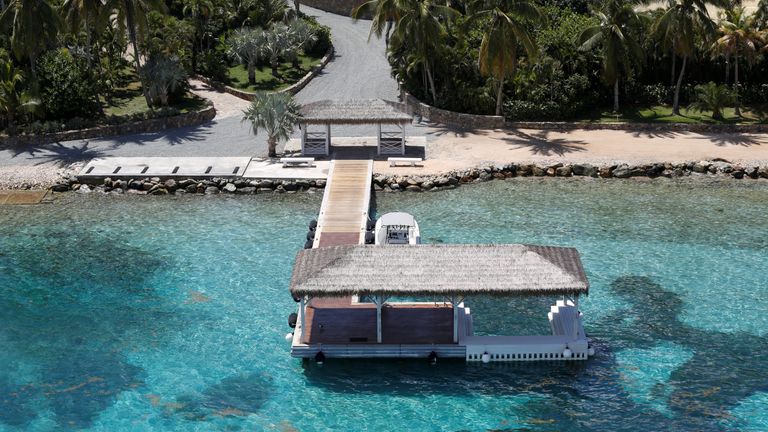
[[322, 44], [213, 64], [65, 88]]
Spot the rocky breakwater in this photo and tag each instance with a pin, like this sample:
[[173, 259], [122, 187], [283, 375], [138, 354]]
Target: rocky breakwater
[[450, 180], [158, 186]]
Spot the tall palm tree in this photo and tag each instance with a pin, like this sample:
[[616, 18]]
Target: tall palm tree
[[132, 16], [613, 35], [276, 114], [504, 32], [383, 14], [738, 37], [200, 11], [420, 31], [678, 25], [245, 46], [86, 16], [761, 14], [32, 26], [13, 98]]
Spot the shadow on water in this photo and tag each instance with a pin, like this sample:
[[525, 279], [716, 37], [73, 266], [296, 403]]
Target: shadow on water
[[239, 395], [724, 369], [71, 301]]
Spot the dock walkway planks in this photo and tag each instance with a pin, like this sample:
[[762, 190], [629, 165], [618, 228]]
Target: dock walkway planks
[[344, 211]]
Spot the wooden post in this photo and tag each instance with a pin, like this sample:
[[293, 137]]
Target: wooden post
[[302, 314], [379, 301], [378, 139], [327, 139], [402, 142], [455, 320]]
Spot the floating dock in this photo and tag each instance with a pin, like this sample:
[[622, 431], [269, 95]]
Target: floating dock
[[347, 290]]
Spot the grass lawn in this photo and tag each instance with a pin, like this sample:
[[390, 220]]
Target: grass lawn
[[663, 114], [287, 75], [130, 100]]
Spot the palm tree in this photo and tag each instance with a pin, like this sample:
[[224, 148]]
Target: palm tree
[[245, 46], [678, 26], [162, 76], [13, 98], [132, 16], [33, 26], [420, 30], [612, 34], [200, 11], [712, 97], [276, 114], [300, 35], [506, 29], [383, 14], [761, 15], [738, 37], [276, 43], [86, 15]]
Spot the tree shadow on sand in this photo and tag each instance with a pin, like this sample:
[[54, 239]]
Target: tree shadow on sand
[[540, 144]]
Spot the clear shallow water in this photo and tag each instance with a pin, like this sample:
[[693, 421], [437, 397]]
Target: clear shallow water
[[169, 314]]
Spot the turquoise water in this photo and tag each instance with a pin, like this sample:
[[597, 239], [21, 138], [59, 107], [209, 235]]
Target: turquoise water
[[168, 313]]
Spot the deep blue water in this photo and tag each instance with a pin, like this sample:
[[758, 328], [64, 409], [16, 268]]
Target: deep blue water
[[168, 313]]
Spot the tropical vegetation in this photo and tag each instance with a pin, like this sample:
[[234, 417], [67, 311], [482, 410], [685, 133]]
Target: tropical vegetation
[[275, 114], [558, 59], [83, 62]]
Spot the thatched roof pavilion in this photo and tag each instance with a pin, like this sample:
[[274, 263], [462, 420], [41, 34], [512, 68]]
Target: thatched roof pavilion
[[438, 269], [352, 112]]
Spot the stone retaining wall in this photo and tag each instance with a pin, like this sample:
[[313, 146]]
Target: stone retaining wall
[[158, 186], [142, 126], [461, 120], [643, 127], [293, 89], [416, 183]]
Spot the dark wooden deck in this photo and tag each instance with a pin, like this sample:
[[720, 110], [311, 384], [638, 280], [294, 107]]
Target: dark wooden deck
[[338, 321]]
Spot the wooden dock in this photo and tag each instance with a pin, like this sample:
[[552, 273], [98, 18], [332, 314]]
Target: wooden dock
[[344, 212]]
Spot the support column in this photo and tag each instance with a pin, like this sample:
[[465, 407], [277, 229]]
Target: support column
[[302, 315], [303, 138], [378, 139], [455, 301], [327, 139], [378, 300], [402, 142]]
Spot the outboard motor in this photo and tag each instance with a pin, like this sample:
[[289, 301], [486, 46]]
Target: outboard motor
[[292, 318], [308, 244], [370, 225], [370, 238], [319, 358], [312, 225], [310, 235], [432, 358]]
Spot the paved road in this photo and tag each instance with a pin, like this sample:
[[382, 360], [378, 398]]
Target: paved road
[[358, 71]]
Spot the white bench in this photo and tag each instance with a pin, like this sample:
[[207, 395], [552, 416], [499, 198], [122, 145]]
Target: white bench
[[297, 161], [397, 161]]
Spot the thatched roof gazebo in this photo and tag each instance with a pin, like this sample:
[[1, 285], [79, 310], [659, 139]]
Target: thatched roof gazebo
[[352, 112], [452, 271]]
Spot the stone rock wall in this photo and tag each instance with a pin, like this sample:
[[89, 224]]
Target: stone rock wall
[[450, 180], [142, 126], [169, 186], [460, 120]]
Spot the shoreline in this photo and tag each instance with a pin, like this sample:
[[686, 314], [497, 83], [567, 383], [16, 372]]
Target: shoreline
[[64, 179]]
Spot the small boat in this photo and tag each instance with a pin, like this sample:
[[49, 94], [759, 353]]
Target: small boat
[[397, 228]]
